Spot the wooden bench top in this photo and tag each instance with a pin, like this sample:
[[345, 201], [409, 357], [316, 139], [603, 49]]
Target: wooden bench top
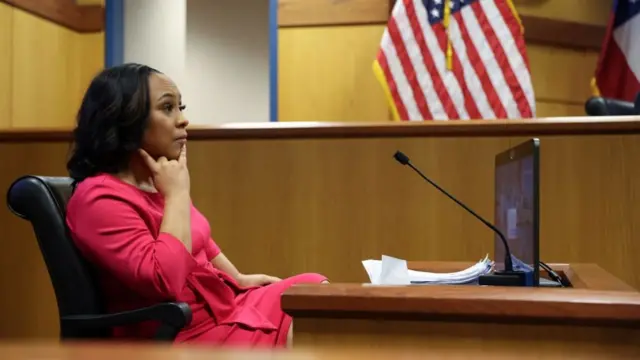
[[322, 130]]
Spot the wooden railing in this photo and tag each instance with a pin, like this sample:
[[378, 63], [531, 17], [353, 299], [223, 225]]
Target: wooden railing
[[319, 130]]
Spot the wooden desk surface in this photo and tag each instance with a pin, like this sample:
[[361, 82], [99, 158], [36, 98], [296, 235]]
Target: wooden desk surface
[[618, 125], [601, 299], [497, 304]]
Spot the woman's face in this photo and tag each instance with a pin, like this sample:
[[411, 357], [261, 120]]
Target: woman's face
[[166, 130]]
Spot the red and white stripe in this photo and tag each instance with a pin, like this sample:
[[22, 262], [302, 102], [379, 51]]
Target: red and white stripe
[[490, 77], [618, 71]]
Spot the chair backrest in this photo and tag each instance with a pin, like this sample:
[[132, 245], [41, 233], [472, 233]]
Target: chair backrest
[[42, 201], [600, 106]]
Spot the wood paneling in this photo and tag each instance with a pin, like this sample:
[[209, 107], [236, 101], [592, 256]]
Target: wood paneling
[[561, 75], [23, 273], [561, 33], [578, 24], [90, 2], [6, 64], [67, 13], [44, 70], [325, 74], [41, 93], [52, 67], [471, 340], [540, 28], [323, 13], [591, 12], [556, 108]]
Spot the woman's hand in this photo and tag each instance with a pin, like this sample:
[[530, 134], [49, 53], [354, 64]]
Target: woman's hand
[[170, 177], [252, 280]]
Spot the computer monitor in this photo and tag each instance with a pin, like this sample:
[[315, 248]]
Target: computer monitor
[[517, 173]]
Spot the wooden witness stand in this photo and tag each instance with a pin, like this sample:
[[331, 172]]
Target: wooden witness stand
[[599, 317], [589, 198]]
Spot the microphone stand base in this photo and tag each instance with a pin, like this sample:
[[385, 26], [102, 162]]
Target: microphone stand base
[[504, 278]]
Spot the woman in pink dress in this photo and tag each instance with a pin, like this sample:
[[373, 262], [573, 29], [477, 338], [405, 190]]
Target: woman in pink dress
[[131, 216]]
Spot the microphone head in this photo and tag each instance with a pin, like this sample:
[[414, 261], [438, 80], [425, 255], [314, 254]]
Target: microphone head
[[401, 158]]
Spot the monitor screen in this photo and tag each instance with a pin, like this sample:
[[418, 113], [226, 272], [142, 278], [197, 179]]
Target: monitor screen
[[516, 208]]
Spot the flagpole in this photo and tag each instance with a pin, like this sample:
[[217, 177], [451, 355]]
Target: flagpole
[[445, 22]]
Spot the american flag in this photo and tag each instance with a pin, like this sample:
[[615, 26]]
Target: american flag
[[455, 59]]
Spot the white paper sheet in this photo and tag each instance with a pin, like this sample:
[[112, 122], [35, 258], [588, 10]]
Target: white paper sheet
[[394, 271]]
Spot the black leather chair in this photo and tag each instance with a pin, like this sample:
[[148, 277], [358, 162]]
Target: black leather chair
[[600, 106], [42, 201]]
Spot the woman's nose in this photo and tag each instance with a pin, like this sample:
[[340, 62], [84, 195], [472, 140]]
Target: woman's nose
[[183, 122]]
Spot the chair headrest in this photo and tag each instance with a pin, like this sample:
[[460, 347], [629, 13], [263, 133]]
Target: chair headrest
[[27, 191], [601, 106]]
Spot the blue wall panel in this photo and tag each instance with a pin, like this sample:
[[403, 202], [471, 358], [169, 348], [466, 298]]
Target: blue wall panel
[[273, 60], [114, 33]]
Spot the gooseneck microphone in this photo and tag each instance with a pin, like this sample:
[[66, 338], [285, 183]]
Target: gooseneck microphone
[[508, 277]]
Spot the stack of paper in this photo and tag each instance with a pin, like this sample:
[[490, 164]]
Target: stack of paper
[[393, 271]]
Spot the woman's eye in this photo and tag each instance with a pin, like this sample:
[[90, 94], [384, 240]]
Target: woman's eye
[[168, 107], [182, 107]]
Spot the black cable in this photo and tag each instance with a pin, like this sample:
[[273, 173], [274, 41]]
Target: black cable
[[552, 274]]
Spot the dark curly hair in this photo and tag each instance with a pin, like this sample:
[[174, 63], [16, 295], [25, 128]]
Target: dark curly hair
[[111, 121]]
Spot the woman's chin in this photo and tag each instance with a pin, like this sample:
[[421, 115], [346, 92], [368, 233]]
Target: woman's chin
[[171, 154], [174, 152]]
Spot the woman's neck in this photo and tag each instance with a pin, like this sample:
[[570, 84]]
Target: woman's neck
[[138, 175]]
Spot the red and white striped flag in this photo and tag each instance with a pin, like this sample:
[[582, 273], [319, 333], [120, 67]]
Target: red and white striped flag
[[455, 59], [618, 71]]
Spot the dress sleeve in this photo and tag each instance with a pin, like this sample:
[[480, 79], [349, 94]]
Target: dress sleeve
[[211, 249], [110, 231]]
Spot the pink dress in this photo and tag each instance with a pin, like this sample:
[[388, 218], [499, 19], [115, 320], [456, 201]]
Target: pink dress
[[116, 227]]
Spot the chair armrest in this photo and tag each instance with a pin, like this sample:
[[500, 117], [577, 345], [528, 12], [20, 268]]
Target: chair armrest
[[172, 316]]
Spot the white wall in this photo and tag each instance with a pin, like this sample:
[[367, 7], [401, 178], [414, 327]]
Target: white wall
[[227, 61], [155, 35], [217, 52]]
